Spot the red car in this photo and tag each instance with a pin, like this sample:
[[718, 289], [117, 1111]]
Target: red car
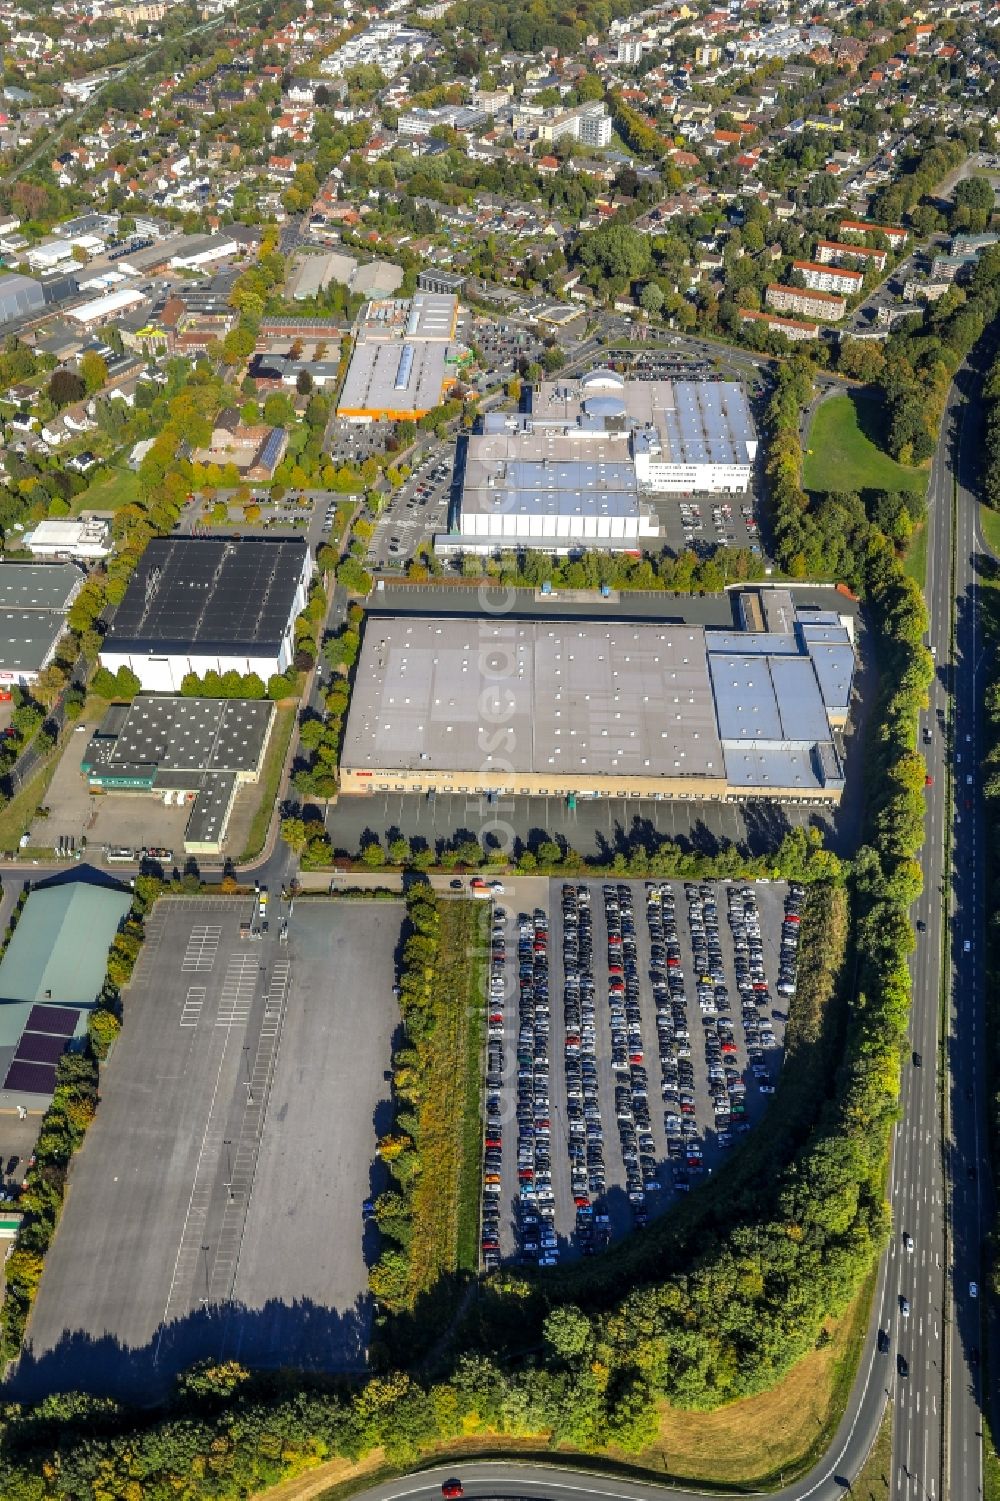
[[452, 1488]]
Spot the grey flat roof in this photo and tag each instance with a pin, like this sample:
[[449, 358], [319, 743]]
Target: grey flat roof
[[751, 643], [697, 422], [38, 586], [834, 664], [394, 376], [750, 767], [581, 697], [597, 699], [767, 700], [184, 734], [210, 814], [778, 608], [709, 423], [516, 467], [425, 315], [27, 637]]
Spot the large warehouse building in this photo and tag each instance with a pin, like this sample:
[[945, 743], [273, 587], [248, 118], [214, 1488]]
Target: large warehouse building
[[572, 472], [404, 358], [198, 751], [20, 296], [601, 709], [34, 598], [198, 604]]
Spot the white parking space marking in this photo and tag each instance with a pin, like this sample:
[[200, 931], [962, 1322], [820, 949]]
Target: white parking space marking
[[201, 949], [238, 990], [191, 1011]]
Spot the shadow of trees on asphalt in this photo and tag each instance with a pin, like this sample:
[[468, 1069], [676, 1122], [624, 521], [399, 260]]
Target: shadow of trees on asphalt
[[302, 1335]]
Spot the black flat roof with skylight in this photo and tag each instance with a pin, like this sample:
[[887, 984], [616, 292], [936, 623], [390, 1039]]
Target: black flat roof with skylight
[[212, 596]]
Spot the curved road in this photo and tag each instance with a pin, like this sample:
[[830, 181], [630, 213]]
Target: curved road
[[936, 1186]]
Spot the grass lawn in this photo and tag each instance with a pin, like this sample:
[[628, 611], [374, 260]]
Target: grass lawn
[[112, 489], [991, 1467], [779, 1433], [989, 525], [270, 778], [915, 562], [446, 1196], [841, 455], [872, 1483], [16, 816]]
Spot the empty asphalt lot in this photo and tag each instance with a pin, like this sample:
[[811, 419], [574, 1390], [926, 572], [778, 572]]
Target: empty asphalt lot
[[215, 1208]]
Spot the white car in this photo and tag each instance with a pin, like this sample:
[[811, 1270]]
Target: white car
[[907, 1242], [904, 1307], [497, 888]]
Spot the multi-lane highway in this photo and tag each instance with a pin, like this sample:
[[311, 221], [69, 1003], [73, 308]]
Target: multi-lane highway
[[925, 1301]]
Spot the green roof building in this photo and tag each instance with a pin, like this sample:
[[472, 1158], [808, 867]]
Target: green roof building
[[50, 977]]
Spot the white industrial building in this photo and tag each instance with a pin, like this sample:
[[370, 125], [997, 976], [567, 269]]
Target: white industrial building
[[86, 541], [604, 708], [203, 250], [200, 604], [575, 471], [92, 314]]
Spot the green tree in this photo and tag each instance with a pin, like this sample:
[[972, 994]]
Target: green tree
[[295, 833], [93, 372]]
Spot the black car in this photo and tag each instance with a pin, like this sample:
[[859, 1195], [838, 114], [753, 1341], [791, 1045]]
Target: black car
[[902, 1366]]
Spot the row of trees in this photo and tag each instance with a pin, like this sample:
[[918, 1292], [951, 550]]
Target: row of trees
[[391, 1278], [991, 437], [681, 573], [799, 856], [991, 796], [922, 358]]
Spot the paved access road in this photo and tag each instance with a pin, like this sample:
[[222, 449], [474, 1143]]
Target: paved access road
[[936, 1188]]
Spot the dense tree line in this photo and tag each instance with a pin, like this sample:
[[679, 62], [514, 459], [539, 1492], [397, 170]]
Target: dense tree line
[[394, 1279], [991, 797], [991, 437], [922, 358], [680, 573], [921, 169]]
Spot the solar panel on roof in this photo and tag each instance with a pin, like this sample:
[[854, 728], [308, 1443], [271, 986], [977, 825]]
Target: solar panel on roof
[[60, 1021], [39, 1047], [31, 1078]]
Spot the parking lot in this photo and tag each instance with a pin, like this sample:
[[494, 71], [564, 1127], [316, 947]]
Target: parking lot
[[417, 511], [215, 1208], [704, 522], [636, 1031], [352, 442], [503, 345], [596, 827]]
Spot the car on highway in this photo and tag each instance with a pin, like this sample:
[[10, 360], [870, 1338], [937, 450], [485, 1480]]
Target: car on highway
[[904, 1307], [907, 1242], [452, 1488], [973, 1290], [902, 1366]]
